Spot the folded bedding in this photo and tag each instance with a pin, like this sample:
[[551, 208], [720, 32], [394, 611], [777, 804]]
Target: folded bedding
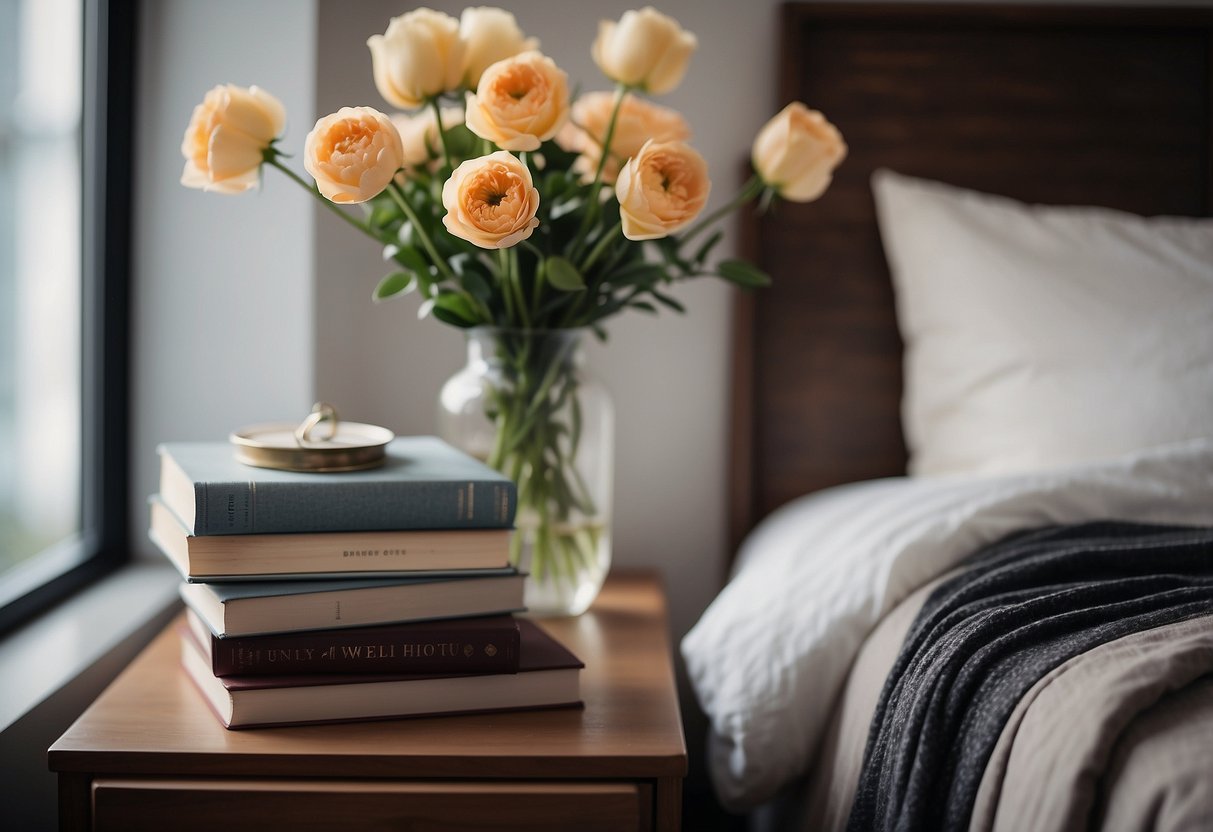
[[986, 636], [770, 657]]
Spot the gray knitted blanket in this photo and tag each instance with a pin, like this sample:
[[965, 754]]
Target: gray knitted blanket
[[983, 638]]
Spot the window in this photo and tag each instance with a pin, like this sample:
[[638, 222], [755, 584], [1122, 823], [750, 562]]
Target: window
[[65, 93]]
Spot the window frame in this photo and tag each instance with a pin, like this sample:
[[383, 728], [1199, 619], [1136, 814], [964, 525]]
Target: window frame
[[108, 88]]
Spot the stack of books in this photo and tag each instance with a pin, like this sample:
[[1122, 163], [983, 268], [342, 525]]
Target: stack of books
[[324, 597]]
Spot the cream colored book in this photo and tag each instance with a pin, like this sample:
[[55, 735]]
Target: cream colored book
[[324, 554], [244, 608]]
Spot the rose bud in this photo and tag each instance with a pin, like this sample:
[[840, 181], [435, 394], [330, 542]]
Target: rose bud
[[796, 152]]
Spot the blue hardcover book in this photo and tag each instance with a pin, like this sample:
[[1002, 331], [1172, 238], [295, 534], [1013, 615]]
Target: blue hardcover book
[[423, 484]]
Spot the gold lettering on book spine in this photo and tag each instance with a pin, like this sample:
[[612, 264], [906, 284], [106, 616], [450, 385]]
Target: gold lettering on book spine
[[503, 504], [471, 500]]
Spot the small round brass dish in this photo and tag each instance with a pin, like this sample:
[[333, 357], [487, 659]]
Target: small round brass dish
[[321, 443]]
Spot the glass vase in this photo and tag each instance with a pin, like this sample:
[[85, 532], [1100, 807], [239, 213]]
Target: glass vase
[[525, 405]]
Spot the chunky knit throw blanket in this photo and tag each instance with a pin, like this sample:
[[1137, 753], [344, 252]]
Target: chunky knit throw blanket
[[1022, 607]]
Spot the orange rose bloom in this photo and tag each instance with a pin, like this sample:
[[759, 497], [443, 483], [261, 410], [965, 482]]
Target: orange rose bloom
[[521, 102], [638, 121], [661, 190], [353, 154], [491, 201]]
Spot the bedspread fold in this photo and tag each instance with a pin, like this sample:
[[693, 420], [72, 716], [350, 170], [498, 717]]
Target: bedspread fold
[[985, 637]]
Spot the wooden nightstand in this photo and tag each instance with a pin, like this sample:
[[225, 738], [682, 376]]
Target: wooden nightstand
[[148, 754]]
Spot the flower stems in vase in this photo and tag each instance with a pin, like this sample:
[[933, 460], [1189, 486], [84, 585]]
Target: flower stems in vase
[[534, 402]]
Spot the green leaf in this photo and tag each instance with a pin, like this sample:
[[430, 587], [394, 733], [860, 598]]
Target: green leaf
[[396, 283], [455, 309], [381, 216], [476, 285], [706, 248], [644, 306], [564, 275], [743, 274], [666, 300], [411, 258], [638, 274]]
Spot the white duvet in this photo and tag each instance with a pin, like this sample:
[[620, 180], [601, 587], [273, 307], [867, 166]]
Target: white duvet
[[771, 653]]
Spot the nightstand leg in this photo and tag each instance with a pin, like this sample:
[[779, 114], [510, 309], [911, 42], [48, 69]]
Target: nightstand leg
[[75, 805], [669, 804]]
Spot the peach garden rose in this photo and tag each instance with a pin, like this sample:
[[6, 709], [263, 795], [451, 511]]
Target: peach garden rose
[[795, 153], [521, 102], [491, 201], [489, 35], [227, 137], [661, 190], [638, 121], [644, 49], [353, 154], [418, 57]]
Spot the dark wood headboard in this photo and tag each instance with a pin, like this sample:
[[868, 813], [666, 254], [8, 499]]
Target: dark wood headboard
[[1063, 105]]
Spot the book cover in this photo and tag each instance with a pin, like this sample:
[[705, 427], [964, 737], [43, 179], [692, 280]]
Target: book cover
[[260, 607], [548, 676], [423, 484], [467, 645], [252, 556]]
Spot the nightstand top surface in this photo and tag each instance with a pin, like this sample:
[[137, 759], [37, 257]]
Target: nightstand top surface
[[152, 720]]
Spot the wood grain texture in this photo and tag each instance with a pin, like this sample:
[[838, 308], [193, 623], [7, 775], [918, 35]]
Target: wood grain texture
[[151, 725], [1060, 105], [151, 720], [134, 805], [74, 800]]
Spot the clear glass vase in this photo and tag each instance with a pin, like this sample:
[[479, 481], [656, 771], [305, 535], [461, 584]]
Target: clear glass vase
[[525, 405]]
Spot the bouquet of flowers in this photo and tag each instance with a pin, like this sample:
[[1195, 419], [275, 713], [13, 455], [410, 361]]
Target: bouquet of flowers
[[508, 205]]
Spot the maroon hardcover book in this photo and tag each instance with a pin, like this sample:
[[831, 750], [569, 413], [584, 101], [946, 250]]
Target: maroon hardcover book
[[463, 645], [548, 676]]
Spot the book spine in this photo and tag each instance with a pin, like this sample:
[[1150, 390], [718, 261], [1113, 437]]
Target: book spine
[[223, 508], [334, 505], [423, 651]]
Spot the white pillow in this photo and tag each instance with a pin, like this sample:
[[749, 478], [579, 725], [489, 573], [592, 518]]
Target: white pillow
[[1042, 336]]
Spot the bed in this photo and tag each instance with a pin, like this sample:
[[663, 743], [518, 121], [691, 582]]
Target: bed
[[1006, 293]]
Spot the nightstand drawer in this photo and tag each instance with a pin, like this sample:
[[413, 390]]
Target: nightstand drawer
[[130, 805]]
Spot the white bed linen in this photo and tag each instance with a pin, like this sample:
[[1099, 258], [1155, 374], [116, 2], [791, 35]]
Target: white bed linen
[[770, 654], [1038, 336]]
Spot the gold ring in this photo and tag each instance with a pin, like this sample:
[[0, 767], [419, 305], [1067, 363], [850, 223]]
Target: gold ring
[[321, 412]]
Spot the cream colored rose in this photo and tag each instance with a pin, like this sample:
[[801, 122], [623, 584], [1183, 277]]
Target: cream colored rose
[[645, 49], [796, 153], [521, 102], [490, 201], [227, 136], [419, 136], [638, 121], [419, 56], [661, 190], [353, 154], [489, 35]]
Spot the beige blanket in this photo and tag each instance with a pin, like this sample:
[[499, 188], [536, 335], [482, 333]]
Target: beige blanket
[[1119, 738]]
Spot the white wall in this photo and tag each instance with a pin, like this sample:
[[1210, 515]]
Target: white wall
[[668, 376], [222, 285]]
